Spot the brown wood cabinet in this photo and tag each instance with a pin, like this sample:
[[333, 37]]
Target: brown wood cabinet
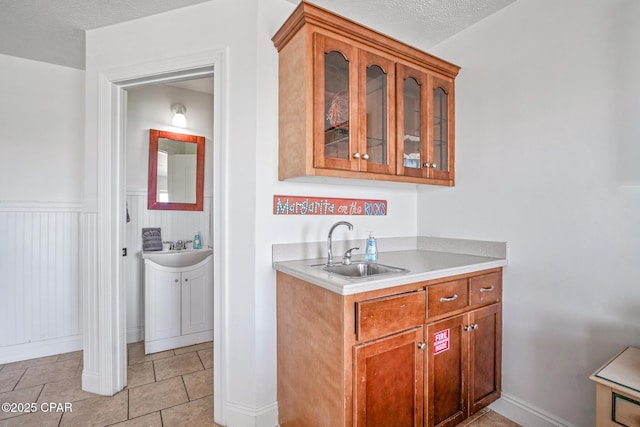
[[425, 353], [354, 103]]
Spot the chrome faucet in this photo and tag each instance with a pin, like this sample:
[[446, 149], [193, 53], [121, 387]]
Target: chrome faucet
[[330, 242]]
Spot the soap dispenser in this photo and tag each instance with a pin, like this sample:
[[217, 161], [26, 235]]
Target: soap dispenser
[[371, 252], [197, 243]]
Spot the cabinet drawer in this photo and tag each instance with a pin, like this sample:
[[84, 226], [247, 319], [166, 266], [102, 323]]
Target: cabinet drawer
[[626, 411], [446, 297], [382, 316], [485, 289]]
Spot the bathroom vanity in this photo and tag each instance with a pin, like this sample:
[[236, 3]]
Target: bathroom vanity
[[418, 347], [178, 298]]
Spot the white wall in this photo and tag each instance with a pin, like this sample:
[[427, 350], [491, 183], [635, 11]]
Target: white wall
[[149, 108], [42, 131], [546, 122], [249, 153], [41, 138]]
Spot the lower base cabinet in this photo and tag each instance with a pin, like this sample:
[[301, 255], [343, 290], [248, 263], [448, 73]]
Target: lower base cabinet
[[423, 354], [463, 373], [178, 305]]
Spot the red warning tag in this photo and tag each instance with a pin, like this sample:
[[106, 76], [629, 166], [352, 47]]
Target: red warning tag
[[441, 341]]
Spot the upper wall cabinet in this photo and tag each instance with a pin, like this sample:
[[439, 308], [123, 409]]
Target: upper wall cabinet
[[354, 103]]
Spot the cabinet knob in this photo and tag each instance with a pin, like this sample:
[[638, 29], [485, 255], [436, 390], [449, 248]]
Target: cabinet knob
[[422, 345], [356, 155], [365, 156], [475, 326], [176, 280], [186, 279], [430, 165]]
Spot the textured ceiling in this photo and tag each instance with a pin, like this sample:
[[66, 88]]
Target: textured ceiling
[[53, 30]]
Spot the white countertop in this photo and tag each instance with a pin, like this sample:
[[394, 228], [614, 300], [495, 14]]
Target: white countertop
[[422, 265]]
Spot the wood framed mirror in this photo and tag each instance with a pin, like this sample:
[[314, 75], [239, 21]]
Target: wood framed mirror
[[176, 171]]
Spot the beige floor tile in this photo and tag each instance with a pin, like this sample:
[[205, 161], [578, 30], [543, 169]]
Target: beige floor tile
[[51, 372], [29, 363], [493, 419], [75, 355], [177, 365], [149, 398], [35, 419], [199, 384], [9, 379], [25, 395], [198, 413], [69, 390], [98, 411], [206, 356], [139, 374], [149, 420], [195, 347], [136, 354]]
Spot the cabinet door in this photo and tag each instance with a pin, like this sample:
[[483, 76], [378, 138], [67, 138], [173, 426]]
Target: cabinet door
[[388, 381], [412, 121], [446, 372], [485, 343], [161, 304], [440, 154], [376, 107], [197, 300], [335, 104]]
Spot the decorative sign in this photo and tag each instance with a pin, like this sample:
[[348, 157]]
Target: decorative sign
[[296, 205], [441, 341]]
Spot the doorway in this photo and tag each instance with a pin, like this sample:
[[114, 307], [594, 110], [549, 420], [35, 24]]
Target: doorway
[[106, 326]]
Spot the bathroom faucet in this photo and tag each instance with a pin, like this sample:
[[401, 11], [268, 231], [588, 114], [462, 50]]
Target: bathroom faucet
[[330, 242]]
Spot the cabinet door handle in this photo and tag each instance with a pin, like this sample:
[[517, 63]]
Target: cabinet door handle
[[448, 299], [365, 156], [422, 345], [356, 155], [489, 289]]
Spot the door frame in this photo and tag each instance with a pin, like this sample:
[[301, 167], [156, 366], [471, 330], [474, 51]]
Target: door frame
[[105, 339]]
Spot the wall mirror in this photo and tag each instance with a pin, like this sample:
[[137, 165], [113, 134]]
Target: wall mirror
[[176, 171]]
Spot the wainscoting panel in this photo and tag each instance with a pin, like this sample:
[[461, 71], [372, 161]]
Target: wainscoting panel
[[175, 225], [40, 296]]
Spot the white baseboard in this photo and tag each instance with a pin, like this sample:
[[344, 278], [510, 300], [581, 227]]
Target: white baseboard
[[243, 416], [525, 414], [32, 350], [135, 334]]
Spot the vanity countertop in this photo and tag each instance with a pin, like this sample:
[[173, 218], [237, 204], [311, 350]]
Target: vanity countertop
[[422, 265]]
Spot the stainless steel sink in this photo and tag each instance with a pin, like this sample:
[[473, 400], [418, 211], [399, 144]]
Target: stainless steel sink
[[358, 269]]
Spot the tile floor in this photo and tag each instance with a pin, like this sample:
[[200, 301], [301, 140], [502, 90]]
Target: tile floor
[[166, 389], [170, 388]]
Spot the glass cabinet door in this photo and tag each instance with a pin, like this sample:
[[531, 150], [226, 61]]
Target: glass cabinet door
[[335, 104], [440, 159], [412, 121], [376, 150]]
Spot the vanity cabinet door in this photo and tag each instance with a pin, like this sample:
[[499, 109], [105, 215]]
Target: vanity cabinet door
[[162, 303], [197, 299], [388, 380], [485, 344]]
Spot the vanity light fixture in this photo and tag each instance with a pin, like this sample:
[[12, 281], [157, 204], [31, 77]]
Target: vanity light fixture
[[179, 118]]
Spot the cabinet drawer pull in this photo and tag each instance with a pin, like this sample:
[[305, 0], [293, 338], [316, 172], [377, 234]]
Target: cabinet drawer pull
[[452, 298], [489, 289]]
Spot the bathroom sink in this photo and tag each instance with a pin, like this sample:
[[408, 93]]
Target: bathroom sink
[[359, 269], [182, 258]]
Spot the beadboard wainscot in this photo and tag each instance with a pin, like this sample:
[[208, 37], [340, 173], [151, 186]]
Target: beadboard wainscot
[[40, 306]]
